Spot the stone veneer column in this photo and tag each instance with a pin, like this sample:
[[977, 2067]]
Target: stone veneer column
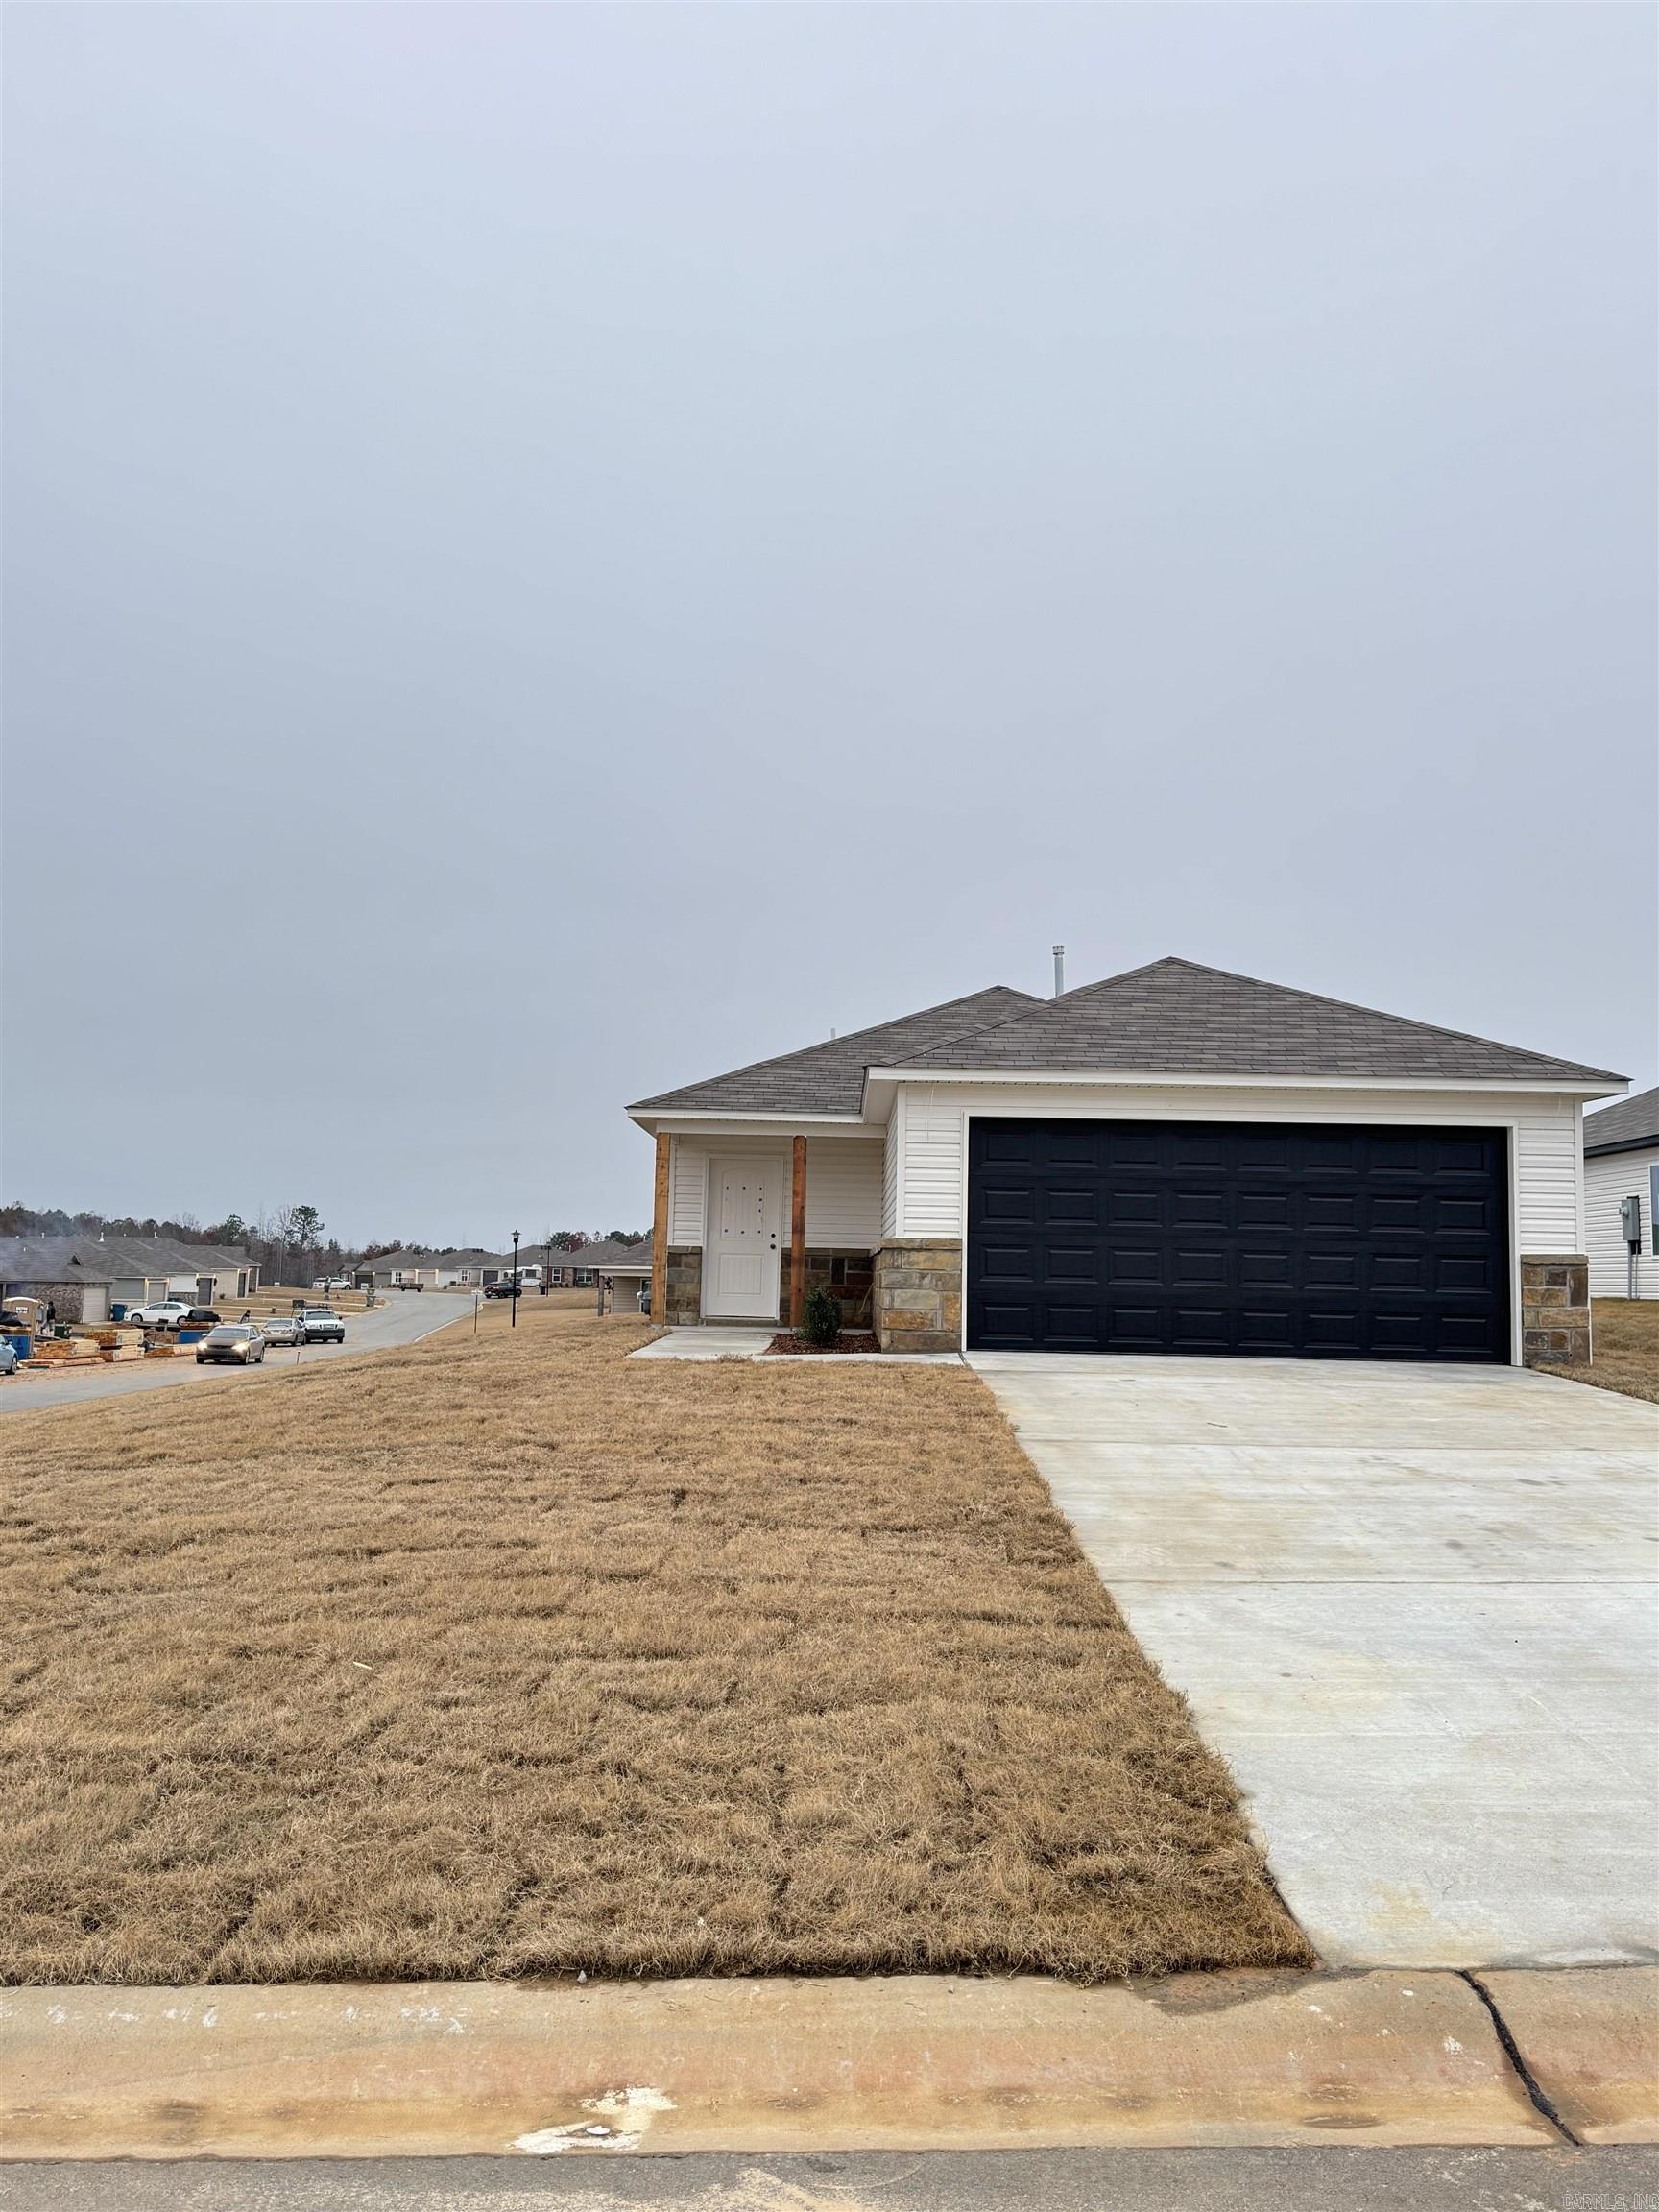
[[918, 1294], [684, 1301], [1555, 1307]]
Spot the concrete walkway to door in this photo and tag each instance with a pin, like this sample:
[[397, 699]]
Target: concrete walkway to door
[[1415, 1609]]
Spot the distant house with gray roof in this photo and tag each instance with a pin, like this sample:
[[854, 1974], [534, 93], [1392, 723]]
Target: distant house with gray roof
[[86, 1278]]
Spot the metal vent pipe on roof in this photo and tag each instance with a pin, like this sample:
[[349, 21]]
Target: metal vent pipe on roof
[[1059, 970]]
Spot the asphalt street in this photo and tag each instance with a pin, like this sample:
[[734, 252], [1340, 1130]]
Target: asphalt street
[[403, 1318], [1215, 2181]]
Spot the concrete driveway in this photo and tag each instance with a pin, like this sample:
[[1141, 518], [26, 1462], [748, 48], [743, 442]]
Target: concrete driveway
[[1413, 1607], [402, 1319]]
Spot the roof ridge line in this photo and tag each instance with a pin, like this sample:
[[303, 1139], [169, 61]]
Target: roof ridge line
[[1293, 990]]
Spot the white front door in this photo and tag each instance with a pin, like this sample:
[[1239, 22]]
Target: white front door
[[745, 1218]]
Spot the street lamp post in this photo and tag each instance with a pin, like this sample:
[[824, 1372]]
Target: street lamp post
[[514, 1279]]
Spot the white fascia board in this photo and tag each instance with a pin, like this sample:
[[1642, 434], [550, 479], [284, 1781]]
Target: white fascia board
[[706, 1123], [1102, 1079]]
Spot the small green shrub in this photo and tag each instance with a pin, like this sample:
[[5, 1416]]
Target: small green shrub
[[819, 1317]]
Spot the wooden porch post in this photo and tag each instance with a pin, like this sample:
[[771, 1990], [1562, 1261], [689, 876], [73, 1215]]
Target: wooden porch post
[[659, 1232], [798, 1237]]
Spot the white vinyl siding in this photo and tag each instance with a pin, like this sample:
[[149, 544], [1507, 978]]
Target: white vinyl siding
[[687, 1192], [843, 1194], [1613, 1176], [843, 1186], [889, 1169], [1548, 1209]]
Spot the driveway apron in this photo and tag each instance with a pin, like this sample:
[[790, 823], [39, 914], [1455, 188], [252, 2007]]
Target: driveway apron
[[1415, 1608]]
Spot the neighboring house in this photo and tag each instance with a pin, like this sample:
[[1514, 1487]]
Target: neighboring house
[[571, 1270], [1621, 1160], [1174, 1160], [621, 1269], [470, 1269], [395, 1271], [403, 1271], [87, 1277]]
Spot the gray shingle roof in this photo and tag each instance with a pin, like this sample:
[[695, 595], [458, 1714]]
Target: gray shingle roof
[[829, 1078], [1621, 1128], [603, 1257], [1174, 1016], [114, 1259]]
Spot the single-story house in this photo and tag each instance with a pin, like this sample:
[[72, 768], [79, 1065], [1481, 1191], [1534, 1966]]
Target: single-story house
[[1174, 1160], [470, 1269], [571, 1270], [1621, 1160], [395, 1271], [86, 1278], [621, 1273]]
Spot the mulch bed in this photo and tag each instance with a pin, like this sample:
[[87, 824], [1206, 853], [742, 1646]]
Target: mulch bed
[[849, 1340]]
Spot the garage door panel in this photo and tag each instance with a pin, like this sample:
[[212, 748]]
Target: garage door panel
[[1012, 1263], [1073, 1264], [1072, 1203], [1325, 1240], [1263, 1208], [1265, 1270], [1199, 1267], [1192, 1207], [1202, 1328], [1390, 1209]]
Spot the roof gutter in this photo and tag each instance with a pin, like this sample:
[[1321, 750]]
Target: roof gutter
[[1586, 1087], [655, 1117], [1624, 1144]]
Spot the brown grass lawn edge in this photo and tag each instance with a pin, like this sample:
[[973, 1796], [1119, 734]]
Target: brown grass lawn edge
[[510, 1656], [1624, 1347]]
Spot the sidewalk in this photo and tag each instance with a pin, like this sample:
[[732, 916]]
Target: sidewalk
[[901, 2063]]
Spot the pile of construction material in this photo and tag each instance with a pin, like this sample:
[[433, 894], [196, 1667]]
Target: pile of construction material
[[102, 1345]]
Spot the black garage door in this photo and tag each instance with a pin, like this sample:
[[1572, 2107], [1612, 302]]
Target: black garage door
[[1323, 1241]]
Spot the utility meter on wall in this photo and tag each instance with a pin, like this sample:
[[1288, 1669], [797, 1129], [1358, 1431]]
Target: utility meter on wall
[[1630, 1220]]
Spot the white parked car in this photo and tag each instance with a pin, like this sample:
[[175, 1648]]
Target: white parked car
[[161, 1313]]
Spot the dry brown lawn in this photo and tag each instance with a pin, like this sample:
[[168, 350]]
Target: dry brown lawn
[[509, 1656], [1624, 1347]]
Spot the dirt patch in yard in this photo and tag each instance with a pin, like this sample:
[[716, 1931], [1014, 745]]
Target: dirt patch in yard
[[1625, 1340], [507, 1655]]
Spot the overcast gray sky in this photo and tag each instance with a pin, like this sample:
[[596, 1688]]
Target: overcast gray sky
[[553, 551]]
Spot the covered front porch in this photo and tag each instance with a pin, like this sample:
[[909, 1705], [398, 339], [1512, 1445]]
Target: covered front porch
[[747, 1218]]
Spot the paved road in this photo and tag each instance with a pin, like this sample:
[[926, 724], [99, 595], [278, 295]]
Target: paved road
[[1296, 2180], [402, 1319], [1415, 1608]]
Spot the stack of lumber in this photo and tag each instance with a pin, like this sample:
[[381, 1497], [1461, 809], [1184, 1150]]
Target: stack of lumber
[[64, 1351]]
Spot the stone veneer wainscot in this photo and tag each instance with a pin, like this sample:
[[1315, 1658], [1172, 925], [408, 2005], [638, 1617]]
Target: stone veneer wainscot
[[918, 1294], [1555, 1308]]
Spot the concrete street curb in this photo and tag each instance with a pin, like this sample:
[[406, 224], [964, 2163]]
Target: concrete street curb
[[1589, 2040], [907, 2062]]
